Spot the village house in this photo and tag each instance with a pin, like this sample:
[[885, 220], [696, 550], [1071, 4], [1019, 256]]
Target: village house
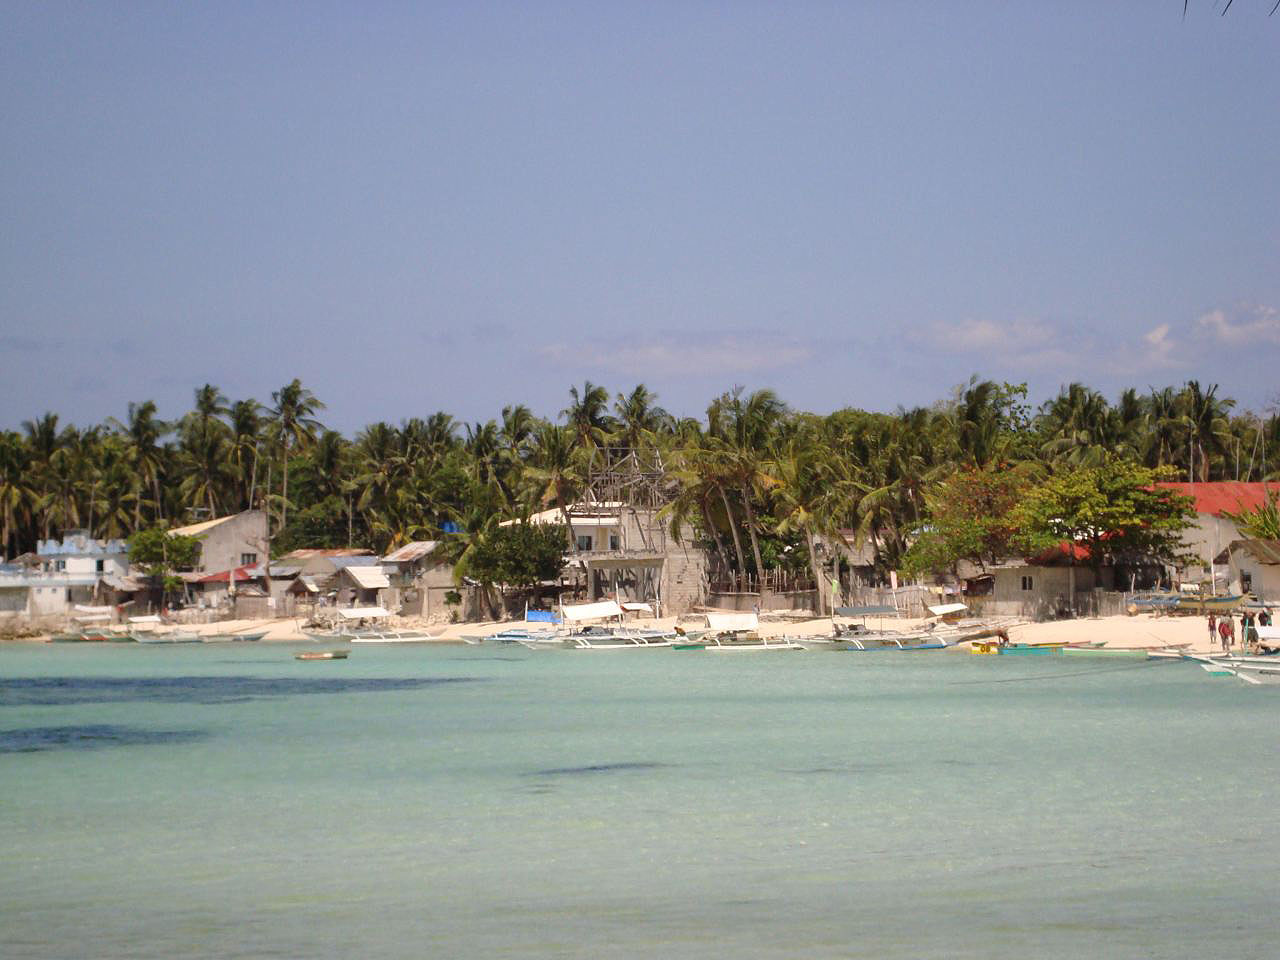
[[1212, 532], [422, 586], [237, 540], [627, 553], [61, 574], [1253, 566]]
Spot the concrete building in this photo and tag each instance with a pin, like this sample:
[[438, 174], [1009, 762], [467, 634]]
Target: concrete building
[[422, 586], [61, 574], [1050, 585], [239, 540], [1213, 532], [1253, 566], [627, 553]]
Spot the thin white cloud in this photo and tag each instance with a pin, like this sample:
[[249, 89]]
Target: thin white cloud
[[1253, 324], [1161, 350], [670, 353]]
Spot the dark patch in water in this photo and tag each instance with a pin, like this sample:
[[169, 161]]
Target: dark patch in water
[[93, 736], [841, 769], [63, 691], [595, 768]]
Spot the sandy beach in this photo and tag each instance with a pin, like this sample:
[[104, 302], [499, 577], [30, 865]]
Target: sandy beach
[[1126, 632]]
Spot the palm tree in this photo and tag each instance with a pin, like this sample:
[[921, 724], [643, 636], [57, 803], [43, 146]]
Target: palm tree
[[43, 441], [746, 427], [639, 416], [16, 492], [1205, 415], [556, 467], [1076, 427], [203, 462], [588, 414], [808, 499], [144, 431], [295, 426], [246, 439]]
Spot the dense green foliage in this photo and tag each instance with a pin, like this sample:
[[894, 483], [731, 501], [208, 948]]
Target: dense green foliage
[[758, 484], [158, 553], [971, 517], [1112, 510], [519, 555]]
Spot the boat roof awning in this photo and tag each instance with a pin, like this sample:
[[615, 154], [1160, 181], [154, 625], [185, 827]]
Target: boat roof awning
[[363, 613], [591, 611], [153, 618], [942, 609], [880, 610], [631, 607], [368, 578], [733, 621]]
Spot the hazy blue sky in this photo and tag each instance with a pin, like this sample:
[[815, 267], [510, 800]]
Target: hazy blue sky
[[417, 207]]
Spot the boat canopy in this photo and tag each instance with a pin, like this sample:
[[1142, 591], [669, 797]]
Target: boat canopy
[[363, 613], [91, 617], [636, 607], [733, 621], [882, 610], [945, 608], [83, 608], [591, 611], [151, 619]]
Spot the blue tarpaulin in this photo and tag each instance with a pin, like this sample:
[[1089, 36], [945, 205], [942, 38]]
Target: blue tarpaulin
[[541, 616]]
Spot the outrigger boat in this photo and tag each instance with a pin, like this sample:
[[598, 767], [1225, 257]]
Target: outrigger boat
[[735, 633], [617, 636], [360, 625], [148, 630], [322, 655]]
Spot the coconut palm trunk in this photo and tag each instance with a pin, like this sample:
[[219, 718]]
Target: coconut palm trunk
[[733, 529], [751, 531]]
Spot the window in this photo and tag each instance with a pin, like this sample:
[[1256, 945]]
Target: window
[[97, 566], [248, 559], [1026, 583], [584, 541], [615, 542], [59, 565], [1246, 582]]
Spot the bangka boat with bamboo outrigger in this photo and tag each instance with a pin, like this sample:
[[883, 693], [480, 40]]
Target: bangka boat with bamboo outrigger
[[735, 633], [859, 638], [369, 625], [152, 629]]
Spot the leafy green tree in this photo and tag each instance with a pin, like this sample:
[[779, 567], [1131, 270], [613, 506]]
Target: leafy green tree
[[159, 553], [519, 555], [971, 517], [1114, 510]]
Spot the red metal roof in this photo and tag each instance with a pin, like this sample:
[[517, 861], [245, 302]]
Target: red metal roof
[[242, 574], [1223, 495], [1063, 553]]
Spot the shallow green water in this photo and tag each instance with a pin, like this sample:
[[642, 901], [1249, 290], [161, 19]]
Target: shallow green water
[[229, 801]]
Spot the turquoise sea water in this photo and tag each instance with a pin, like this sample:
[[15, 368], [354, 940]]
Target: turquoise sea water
[[229, 801]]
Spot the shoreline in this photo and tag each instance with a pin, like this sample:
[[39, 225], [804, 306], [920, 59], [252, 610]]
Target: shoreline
[[1143, 630]]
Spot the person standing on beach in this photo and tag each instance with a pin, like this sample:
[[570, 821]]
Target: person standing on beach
[[1213, 629], [1224, 631]]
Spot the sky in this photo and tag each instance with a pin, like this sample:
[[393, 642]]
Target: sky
[[459, 206]]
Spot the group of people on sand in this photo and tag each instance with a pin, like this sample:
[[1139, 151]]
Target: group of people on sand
[[1224, 629]]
